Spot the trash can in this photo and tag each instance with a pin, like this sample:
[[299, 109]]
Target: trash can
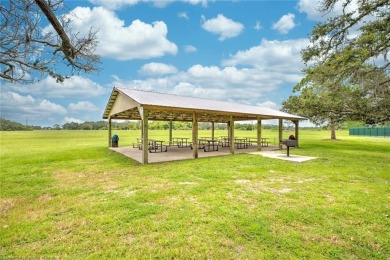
[[115, 141]]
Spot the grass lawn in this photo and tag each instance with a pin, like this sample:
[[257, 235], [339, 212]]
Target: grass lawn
[[64, 194]]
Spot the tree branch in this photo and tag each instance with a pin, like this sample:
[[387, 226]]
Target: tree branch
[[67, 46]]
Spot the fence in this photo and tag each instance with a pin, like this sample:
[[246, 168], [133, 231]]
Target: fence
[[370, 131]]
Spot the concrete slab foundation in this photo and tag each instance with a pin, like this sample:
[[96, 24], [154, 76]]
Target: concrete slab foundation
[[175, 153], [283, 156]]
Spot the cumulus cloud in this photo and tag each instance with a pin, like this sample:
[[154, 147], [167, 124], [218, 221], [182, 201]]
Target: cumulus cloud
[[213, 82], [190, 48], [281, 56], [19, 107], [259, 70], [222, 26], [196, 2], [75, 86], [269, 104], [73, 120], [257, 26], [138, 40], [183, 15], [82, 106], [117, 4], [157, 69], [285, 23]]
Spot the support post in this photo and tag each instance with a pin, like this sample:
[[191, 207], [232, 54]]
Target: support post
[[109, 132], [170, 132], [142, 128], [280, 132], [212, 130], [145, 137], [258, 134], [195, 142], [231, 134], [228, 128], [296, 122]]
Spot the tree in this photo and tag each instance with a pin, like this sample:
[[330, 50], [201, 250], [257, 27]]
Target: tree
[[342, 82], [321, 105], [26, 48], [333, 46], [8, 125]]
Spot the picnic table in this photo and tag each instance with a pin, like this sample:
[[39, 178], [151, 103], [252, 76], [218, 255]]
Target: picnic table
[[264, 142], [156, 146], [209, 144], [242, 143], [181, 141], [225, 141]]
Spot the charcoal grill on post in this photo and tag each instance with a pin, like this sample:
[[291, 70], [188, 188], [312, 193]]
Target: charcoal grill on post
[[289, 143]]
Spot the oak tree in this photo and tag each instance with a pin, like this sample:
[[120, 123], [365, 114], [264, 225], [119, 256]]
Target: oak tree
[[26, 48]]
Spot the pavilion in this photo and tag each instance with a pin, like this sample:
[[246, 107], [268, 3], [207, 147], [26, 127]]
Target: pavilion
[[132, 104]]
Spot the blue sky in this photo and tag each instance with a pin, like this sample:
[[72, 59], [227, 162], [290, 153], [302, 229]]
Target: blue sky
[[240, 51]]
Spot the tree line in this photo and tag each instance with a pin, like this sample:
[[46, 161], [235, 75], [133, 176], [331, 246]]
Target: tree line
[[8, 125]]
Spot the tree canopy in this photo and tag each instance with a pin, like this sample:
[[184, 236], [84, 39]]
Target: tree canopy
[[349, 41], [347, 73], [26, 47]]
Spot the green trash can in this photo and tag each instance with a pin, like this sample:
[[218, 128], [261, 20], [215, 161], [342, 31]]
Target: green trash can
[[115, 140]]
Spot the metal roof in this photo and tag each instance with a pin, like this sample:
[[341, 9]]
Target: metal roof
[[180, 108]]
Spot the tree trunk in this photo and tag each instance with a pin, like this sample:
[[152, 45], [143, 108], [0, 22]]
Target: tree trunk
[[333, 131]]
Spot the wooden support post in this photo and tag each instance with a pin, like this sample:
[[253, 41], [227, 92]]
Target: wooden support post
[[170, 132], [212, 130], [195, 142], [296, 122], [231, 134], [145, 137], [142, 129], [259, 134], [228, 129], [109, 132], [280, 132]]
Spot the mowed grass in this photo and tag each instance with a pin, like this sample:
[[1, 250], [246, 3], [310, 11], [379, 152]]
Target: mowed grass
[[65, 195]]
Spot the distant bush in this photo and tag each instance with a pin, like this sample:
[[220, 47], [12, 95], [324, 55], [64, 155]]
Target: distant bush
[[8, 125]]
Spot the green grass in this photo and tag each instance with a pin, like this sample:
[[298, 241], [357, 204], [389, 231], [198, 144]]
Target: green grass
[[64, 194]]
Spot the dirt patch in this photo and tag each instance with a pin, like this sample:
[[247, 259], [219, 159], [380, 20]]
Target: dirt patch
[[6, 205], [276, 191], [45, 198], [243, 181], [187, 183]]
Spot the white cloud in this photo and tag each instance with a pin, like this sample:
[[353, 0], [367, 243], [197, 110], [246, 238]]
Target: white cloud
[[73, 120], [46, 105], [190, 48], [114, 4], [195, 2], [285, 23], [75, 86], [138, 40], [269, 104], [257, 26], [82, 106], [224, 27], [117, 4], [17, 107], [213, 82], [183, 15], [280, 56], [249, 76], [157, 69]]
